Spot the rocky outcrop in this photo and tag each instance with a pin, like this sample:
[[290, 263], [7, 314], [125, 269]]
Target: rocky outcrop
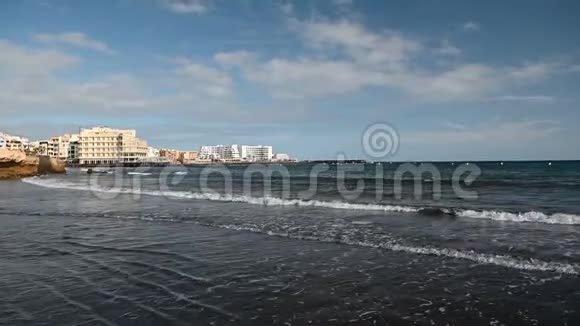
[[7, 156], [16, 164]]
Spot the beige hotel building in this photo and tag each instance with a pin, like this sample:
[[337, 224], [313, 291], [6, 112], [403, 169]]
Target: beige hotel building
[[103, 145]]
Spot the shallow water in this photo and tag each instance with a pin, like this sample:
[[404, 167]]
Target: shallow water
[[145, 256]]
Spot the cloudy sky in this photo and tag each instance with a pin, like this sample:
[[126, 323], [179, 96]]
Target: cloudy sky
[[457, 79]]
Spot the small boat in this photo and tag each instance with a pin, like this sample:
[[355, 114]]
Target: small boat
[[100, 171]]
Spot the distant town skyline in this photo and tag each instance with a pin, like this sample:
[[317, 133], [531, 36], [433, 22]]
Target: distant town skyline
[[103, 145], [458, 81]]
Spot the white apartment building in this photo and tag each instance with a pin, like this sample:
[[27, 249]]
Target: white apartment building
[[230, 153], [103, 145], [154, 156], [236, 152], [14, 142], [58, 147], [209, 151], [152, 152], [256, 152], [220, 152], [39, 147]]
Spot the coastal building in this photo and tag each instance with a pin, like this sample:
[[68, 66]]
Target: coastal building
[[255, 152], [281, 157], [171, 155], [58, 147], [229, 153], [187, 156], [249, 153], [209, 152], [39, 147], [73, 151], [220, 152], [103, 145], [152, 152], [154, 157], [14, 142]]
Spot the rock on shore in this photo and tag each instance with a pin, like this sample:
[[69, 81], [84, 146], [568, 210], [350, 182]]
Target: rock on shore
[[16, 164]]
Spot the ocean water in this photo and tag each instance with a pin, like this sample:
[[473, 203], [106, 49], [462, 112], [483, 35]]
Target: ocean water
[[179, 245]]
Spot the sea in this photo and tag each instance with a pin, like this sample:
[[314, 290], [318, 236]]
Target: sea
[[468, 243]]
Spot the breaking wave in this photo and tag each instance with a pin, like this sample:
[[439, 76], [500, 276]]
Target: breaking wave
[[480, 258], [532, 216]]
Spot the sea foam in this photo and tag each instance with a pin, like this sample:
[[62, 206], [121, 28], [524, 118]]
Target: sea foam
[[480, 258], [391, 245], [531, 216]]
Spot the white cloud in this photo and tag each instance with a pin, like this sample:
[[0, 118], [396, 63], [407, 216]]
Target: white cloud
[[494, 134], [186, 6], [234, 58], [447, 49], [390, 48], [212, 81], [303, 78], [75, 39], [348, 57], [458, 126], [15, 60], [477, 81], [343, 2], [467, 81], [526, 98], [29, 83], [471, 26], [537, 71], [287, 8]]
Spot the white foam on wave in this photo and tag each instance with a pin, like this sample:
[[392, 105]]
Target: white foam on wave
[[537, 217], [139, 173], [480, 258], [264, 201]]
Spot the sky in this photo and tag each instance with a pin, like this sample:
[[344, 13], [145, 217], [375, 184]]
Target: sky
[[456, 80]]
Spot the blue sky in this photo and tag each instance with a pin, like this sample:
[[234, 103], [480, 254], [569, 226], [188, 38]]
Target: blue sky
[[458, 80]]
